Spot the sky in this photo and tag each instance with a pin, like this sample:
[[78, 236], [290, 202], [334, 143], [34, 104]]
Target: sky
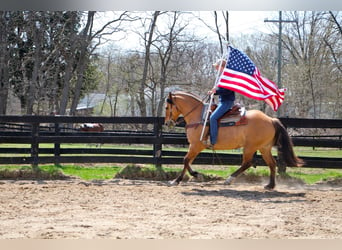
[[240, 23], [250, 21], [243, 22]]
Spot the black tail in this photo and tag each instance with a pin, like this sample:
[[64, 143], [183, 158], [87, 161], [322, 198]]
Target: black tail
[[284, 143]]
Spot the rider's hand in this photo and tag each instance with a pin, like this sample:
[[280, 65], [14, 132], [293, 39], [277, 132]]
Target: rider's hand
[[213, 91]]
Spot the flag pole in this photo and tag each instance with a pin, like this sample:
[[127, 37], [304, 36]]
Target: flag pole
[[212, 94]]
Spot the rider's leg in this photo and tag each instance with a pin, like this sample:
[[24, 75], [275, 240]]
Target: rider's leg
[[221, 109]]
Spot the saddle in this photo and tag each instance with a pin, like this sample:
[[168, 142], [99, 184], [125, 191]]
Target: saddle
[[233, 117]]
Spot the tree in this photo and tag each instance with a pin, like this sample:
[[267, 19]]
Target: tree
[[85, 38], [222, 38], [165, 45], [69, 56], [148, 39], [4, 58], [225, 15], [86, 48], [45, 57], [311, 44]]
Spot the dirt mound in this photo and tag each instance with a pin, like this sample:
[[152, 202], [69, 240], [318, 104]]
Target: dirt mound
[[158, 174], [29, 174], [136, 172], [331, 182]]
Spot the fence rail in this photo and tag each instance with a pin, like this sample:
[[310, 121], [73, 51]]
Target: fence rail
[[35, 130]]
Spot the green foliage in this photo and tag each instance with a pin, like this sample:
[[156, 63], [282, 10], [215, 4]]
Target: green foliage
[[92, 78]]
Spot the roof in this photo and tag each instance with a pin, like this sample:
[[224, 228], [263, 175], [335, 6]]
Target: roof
[[90, 101]]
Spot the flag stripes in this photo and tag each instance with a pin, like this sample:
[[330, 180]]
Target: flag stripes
[[251, 85]]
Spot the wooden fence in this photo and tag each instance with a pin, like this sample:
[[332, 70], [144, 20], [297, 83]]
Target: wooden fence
[[60, 130]]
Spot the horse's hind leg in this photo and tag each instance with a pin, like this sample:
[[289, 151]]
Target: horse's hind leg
[[188, 159], [247, 161], [268, 158]]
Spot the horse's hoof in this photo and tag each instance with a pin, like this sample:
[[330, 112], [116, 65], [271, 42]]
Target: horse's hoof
[[199, 177], [269, 187], [173, 183], [195, 174], [229, 180]]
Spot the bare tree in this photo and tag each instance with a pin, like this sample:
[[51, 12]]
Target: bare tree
[[84, 41], [165, 45], [148, 38], [336, 21], [70, 59], [222, 38], [86, 47], [309, 44], [225, 15]]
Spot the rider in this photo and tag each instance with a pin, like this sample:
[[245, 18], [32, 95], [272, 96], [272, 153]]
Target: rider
[[226, 101]]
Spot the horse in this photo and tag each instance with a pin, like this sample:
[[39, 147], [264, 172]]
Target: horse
[[260, 132], [91, 127]]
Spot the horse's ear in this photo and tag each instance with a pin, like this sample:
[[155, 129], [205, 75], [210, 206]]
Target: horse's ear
[[169, 99]]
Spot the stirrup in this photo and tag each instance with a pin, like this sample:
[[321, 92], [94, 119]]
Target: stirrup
[[208, 144]]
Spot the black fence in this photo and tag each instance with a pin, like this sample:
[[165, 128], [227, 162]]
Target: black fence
[[59, 130]]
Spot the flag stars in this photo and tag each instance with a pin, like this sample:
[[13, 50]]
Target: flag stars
[[240, 62]]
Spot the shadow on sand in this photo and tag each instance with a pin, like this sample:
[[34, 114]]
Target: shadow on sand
[[248, 195]]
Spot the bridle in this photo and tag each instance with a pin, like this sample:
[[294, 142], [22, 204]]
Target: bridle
[[171, 101]]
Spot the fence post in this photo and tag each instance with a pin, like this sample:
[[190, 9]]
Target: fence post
[[35, 146], [57, 149], [157, 145]]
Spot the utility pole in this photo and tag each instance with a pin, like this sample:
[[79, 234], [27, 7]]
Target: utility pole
[[280, 21], [281, 163]]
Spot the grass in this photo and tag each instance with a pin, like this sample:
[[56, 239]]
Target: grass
[[90, 173], [102, 172], [312, 176], [318, 152]]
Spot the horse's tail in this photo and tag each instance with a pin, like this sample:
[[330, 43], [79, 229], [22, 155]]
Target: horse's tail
[[284, 143]]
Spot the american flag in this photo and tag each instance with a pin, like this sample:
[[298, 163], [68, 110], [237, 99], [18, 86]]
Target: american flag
[[242, 76]]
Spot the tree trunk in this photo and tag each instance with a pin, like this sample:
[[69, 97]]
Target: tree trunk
[[142, 102], [79, 83], [34, 82], [85, 39], [4, 76], [66, 87], [69, 68]]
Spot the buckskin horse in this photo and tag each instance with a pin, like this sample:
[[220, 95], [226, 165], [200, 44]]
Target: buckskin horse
[[259, 132]]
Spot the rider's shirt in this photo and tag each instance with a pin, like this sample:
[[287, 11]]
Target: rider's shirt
[[225, 94]]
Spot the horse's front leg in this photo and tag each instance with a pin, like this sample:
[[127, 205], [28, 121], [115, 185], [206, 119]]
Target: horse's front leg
[[188, 159]]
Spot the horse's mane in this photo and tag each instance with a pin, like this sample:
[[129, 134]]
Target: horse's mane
[[196, 97]]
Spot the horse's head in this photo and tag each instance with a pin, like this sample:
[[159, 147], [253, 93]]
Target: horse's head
[[171, 111]]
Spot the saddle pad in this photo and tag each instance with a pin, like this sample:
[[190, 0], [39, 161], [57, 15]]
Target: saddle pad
[[234, 118], [241, 121]]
